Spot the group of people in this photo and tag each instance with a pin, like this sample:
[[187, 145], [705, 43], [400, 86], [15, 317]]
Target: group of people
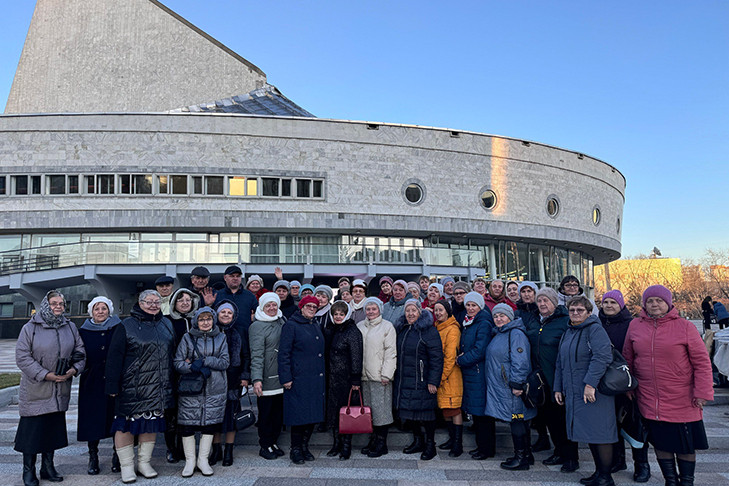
[[714, 310], [416, 352]]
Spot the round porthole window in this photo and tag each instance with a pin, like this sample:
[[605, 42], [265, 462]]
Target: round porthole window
[[596, 215], [413, 192], [488, 199], [552, 206]]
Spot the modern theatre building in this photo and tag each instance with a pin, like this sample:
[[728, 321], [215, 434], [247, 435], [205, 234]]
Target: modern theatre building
[[135, 145]]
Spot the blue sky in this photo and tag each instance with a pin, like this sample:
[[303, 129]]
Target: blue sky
[[640, 85]]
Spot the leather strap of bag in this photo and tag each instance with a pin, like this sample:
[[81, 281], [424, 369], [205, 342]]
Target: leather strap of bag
[[349, 401]]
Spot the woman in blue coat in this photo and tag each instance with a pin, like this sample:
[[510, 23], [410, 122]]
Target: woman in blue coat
[[301, 372], [584, 354], [417, 376], [508, 365], [478, 326]]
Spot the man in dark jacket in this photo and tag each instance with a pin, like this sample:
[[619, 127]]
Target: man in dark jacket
[[242, 298]]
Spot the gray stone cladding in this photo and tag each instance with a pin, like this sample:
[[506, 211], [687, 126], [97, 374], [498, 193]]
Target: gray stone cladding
[[365, 166]]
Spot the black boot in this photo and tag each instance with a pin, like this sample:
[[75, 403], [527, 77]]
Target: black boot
[[668, 468], [457, 448], [449, 443], [29, 477], [429, 451], [603, 479], [542, 444], [115, 465], [418, 444], [380, 446], [93, 469], [371, 444], [346, 447], [618, 457], [519, 462], [228, 455], [642, 471], [173, 454], [216, 454], [336, 444], [296, 455], [308, 456], [686, 472], [589, 480], [48, 470]]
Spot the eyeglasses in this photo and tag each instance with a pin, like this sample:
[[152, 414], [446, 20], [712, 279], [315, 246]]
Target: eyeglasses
[[152, 303], [574, 310], [312, 305], [459, 292], [59, 304], [571, 285]]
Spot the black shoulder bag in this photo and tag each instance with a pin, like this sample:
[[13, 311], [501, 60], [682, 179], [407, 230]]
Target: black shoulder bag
[[535, 387], [193, 383]]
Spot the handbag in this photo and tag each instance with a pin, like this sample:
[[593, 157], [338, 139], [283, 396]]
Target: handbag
[[357, 419], [245, 417], [617, 378], [631, 425], [193, 383]]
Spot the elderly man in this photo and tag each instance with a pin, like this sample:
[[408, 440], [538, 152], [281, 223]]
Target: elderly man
[[242, 298], [200, 278], [497, 295], [164, 287]]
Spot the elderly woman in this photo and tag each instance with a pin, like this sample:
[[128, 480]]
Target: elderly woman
[[395, 308], [512, 291], [378, 369], [139, 373], [94, 420], [283, 290], [507, 366], [497, 295], [359, 294], [478, 327], [301, 367], [295, 289], [306, 289], [183, 305], [324, 295], [237, 376], [448, 283], [570, 287], [414, 290], [255, 285], [49, 352], [203, 350], [673, 369], [435, 293], [418, 374], [615, 318], [385, 289], [265, 335], [584, 354], [458, 306], [345, 294], [544, 342], [450, 390], [344, 373], [480, 286]]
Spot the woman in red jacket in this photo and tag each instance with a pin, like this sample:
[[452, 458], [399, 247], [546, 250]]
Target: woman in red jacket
[[673, 369]]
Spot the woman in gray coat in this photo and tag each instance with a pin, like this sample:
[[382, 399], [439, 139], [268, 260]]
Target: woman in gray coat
[[45, 389], [204, 350], [508, 364], [584, 354]]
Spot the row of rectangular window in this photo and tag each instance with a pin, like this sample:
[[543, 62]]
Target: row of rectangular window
[[147, 184]]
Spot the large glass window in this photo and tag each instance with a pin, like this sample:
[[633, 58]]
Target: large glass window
[[539, 265], [575, 264], [516, 261], [56, 184], [561, 268]]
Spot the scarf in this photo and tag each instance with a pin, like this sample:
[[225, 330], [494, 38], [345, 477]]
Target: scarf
[[110, 322], [47, 314], [262, 316], [356, 306], [467, 321], [323, 310], [373, 322]]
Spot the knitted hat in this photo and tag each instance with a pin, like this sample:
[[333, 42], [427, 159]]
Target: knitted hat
[[373, 300], [461, 285], [616, 295], [658, 291], [306, 287], [343, 279], [549, 293], [415, 303], [445, 305], [269, 297], [476, 298], [102, 299], [324, 289], [308, 299], [226, 305], [295, 283], [282, 283], [358, 282], [531, 285], [204, 310], [413, 285], [445, 280], [401, 283], [438, 287], [385, 279], [503, 309], [254, 278]]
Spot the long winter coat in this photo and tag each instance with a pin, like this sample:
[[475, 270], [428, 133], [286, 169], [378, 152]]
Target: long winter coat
[[672, 366], [584, 355], [379, 341], [419, 364], [240, 360], [208, 407], [94, 419], [616, 326], [265, 337], [544, 341], [508, 363], [344, 368], [36, 354], [529, 315], [139, 368], [475, 338], [301, 361], [450, 390]]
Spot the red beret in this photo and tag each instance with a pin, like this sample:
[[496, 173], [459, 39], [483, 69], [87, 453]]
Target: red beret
[[309, 299]]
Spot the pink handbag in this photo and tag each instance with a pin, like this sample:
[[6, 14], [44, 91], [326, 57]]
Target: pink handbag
[[357, 419]]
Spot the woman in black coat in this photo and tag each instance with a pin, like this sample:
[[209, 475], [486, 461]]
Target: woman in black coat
[[417, 377], [615, 318], [344, 373], [301, 369], [94, 420]]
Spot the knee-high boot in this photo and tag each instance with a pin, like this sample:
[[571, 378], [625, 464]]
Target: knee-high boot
[[668, 468], [48, 470], [686, 472], [93, 468], [29, 477]]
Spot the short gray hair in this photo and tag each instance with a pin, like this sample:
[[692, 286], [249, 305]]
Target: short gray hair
[[146, 293], [580, 299]]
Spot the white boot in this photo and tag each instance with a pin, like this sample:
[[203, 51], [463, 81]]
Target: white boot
[[126, 461], [188, 445], [206, 441], [143, 458]]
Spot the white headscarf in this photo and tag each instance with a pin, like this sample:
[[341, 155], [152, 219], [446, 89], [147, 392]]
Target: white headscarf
[[262, 301]]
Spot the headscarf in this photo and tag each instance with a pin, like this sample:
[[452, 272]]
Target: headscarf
[[265, 299], [47, 314], [90, 325]]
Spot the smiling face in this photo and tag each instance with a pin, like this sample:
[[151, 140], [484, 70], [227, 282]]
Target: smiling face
[[150, 304], [472, 309], [501, 320], [527, 295], [414, 291], [512, 291], [424, 284], [270, 309], [479, 286], [323, 299], [338, 316], [309, 310], [205, 321], [411, 314], [282, 292], [610, 307], [358, 294], [225, 316], [372, 311], [448, 287], [386, 288], [100, 312], [183, 304], [398, 292], [571, 288], [295, 290], [254, 286], [57, 305], [433, 294], [440, 313]]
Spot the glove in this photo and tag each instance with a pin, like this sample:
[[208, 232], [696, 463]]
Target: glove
[[196, 365], [205, 372]]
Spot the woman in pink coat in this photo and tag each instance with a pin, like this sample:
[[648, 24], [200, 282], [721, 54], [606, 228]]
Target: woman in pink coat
[[669, 358]]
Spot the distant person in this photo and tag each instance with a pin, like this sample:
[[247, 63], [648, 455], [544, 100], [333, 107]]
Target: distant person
[[200, 279], [288, 306], [244, 300], [345, 294], [497, 295], [385, 289], [294, 288], [414, 290], [359, 294], [570, 287], [460, 289], [479, 285], [343, 282], [722, 316], [435, 293], [306, 289], [255, 286], [448, 283], [707, 311], [424, 282], [393, 310], [512, 291], [164, 287]]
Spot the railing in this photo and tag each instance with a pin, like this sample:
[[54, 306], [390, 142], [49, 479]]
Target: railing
[[143, 252]]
